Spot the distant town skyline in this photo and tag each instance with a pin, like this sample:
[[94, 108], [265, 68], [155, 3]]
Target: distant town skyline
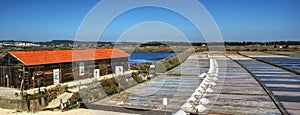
[[238, 20]]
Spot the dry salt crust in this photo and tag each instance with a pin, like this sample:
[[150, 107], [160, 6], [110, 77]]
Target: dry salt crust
[[71, 112]]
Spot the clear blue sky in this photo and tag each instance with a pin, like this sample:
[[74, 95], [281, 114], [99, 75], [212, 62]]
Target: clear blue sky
[[238, 20]]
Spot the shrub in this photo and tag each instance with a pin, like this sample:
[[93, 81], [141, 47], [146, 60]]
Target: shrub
[[110, 86], [143, 68], [137, 78], [108, 90]]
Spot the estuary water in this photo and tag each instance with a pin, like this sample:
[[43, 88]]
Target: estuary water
[[138, 58]]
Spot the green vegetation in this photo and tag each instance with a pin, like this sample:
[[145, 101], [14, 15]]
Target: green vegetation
[[47, 94], [54, 92], [137, 78], [142, 68], [110, 86], [172, 62], [201, 49], [72, 101]]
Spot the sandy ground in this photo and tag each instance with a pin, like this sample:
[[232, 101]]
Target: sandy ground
[[71, 112]]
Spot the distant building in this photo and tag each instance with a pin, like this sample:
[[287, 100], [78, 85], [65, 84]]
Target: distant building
[[12, 43], [23, 44], [39, 68]]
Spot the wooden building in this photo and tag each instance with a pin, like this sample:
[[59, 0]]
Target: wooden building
[[38, 68]]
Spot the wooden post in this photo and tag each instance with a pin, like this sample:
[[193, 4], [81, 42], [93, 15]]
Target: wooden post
[[33, 84], [165, 109], [23, 77], [60, 74], [165, 103], [7, 80], [39, 85], [23, 72]]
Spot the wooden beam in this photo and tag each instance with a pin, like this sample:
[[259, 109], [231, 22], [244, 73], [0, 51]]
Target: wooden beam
[[60, 74], [23, 78]]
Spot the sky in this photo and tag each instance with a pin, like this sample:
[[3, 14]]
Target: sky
[[237, 20]]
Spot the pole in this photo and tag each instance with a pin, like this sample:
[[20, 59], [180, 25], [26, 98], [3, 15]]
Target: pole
[[165, 109], [60, 74], [165, 103]]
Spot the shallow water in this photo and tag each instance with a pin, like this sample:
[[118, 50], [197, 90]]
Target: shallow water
[[284, 84], [138, 58], [291, 63]]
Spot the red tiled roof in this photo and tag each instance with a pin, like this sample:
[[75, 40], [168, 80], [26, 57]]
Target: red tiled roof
[[61, 56]]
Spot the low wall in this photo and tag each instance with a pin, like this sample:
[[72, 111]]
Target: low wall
[[173, 61], [22, 105]]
